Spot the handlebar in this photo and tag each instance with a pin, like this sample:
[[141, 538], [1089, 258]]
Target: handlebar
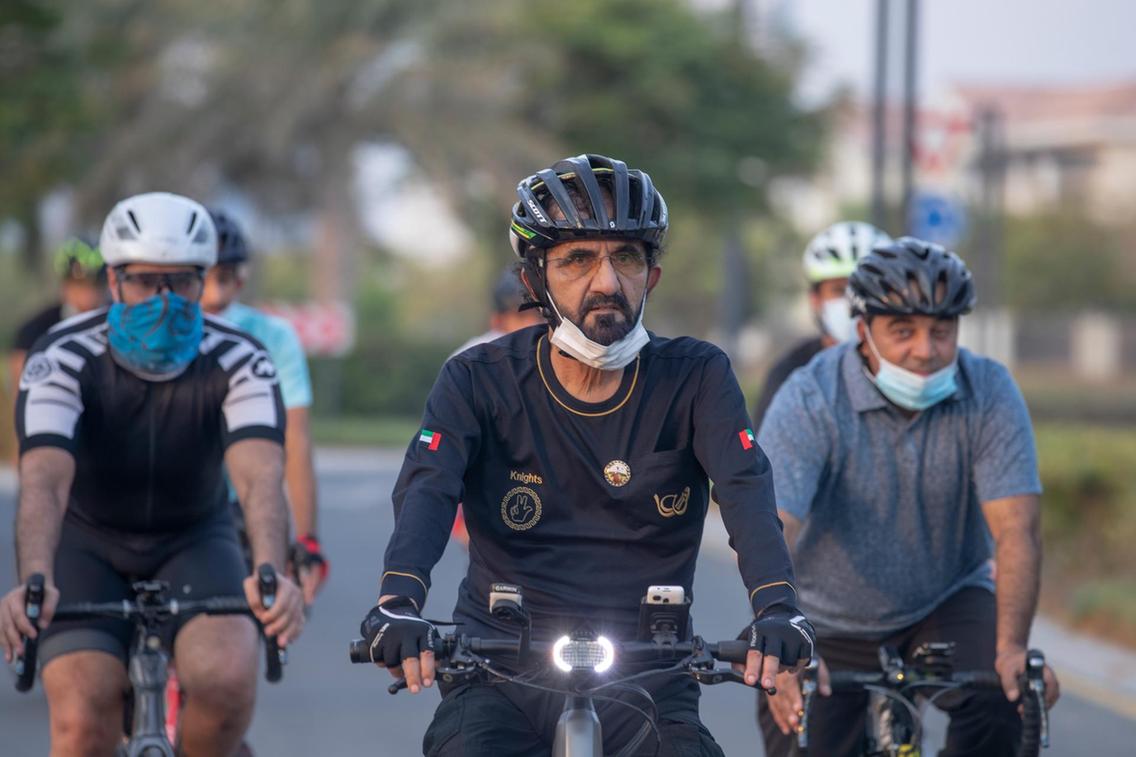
[[898, 681], [696, 657], [629, 652], [33, 606], [274, 656], [146, 607]]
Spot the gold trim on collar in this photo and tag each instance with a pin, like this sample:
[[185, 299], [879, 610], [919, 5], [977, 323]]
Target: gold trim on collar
[[630, 389]]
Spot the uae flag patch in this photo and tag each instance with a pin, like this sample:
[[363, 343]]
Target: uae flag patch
[[430, 438], [747, 438]]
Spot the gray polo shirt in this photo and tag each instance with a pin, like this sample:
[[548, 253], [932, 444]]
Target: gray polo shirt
[[890, 505]]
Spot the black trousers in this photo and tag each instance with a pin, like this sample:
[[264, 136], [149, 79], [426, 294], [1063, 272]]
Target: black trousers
[[507, 720], [983, 723]]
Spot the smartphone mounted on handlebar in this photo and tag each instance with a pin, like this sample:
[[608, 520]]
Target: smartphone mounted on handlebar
[[664, 613]]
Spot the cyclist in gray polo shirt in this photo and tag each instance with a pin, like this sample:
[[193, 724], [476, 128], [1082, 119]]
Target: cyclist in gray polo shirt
[[902, 464]]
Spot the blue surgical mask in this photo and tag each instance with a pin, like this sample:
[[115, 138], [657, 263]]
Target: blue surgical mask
[[158, 337], [910, 390]]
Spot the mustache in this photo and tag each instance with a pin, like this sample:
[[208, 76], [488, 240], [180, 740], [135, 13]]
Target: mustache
[[616, 300]]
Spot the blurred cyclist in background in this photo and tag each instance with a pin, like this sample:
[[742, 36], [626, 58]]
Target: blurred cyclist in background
[[223, 285], [507, 317], [829, 260], [82, 288]]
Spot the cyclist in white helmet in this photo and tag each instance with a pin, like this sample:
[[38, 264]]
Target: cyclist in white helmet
[[829, 260], [223, 285], [125, 416]]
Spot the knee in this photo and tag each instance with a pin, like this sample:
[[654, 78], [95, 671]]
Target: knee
[[225, 684], [82, 728]]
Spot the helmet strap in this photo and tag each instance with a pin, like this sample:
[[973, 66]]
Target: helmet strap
[[538, 280]]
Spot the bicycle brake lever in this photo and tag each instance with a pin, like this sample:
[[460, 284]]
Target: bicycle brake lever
[[398, 685], [717, 675]]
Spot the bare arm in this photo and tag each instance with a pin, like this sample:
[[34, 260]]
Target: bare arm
[[256, 468], [45, 485], [299, 472], [792, 529], [1015, 524], [15, 368], [46, 474]]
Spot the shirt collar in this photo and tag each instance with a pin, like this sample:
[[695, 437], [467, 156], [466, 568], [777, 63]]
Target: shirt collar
[[863, 392]]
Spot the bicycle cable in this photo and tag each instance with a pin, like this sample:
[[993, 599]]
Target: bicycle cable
[[643, 713], [912, 710], [649, 717]]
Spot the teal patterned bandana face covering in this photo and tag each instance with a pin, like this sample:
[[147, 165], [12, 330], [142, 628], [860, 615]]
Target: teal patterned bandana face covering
[[157, 337]]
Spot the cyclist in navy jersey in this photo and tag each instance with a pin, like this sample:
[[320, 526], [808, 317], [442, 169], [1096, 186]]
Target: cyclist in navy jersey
[[582, 450]]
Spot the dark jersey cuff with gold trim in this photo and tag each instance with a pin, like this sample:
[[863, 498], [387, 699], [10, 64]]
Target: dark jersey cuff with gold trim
[[405, 583]]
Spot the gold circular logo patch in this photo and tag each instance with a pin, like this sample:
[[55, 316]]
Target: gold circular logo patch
[[617, 473], [520, 509]]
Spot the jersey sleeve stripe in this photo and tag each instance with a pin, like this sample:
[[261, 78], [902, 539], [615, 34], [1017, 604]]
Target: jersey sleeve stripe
[[51, 410], [233, 355]]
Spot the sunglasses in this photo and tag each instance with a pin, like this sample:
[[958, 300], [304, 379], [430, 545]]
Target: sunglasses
[[580, 263], [185, 284]]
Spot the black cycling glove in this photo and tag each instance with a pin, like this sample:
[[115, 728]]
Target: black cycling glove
[[783, 632], [394, 632]]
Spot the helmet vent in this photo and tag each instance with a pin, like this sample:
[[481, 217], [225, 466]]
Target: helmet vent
[[125, 232], [133, 220], [192, 221]]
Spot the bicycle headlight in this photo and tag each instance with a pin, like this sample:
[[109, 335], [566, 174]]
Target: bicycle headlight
[[596, 655]]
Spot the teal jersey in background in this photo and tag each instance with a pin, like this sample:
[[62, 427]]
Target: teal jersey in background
[[283, 347]]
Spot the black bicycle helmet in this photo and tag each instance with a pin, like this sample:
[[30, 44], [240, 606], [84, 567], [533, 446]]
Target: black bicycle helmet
[[911, 277], [231, 245], [566, 202]]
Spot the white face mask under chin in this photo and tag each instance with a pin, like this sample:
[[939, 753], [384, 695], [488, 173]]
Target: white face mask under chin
[[569, 338]]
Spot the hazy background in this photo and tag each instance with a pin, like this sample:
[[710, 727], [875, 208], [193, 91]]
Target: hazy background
[[371, 150]]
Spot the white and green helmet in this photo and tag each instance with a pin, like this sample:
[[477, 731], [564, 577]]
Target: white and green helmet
[[834, 253]]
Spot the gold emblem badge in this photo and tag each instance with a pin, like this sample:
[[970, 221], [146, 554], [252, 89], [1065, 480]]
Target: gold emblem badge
[[671, 505], [617, 473], [520, 509]]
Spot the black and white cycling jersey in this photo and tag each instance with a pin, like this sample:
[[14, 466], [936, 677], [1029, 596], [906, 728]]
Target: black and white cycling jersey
[[148, 453]]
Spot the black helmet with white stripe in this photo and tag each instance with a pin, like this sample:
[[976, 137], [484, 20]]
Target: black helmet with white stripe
[[567, 201], [911, 277], [834, 252]]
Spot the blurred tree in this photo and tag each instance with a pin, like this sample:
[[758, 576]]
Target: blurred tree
[[670, 89], [1065, 261], [41, 114], [276, 97]]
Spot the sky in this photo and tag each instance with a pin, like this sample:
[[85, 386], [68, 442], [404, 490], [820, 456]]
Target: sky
[[973, 41]]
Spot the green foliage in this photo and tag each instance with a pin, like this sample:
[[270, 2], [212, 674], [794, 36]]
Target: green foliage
[[1065, 261], [665, 88], [365, 430], [1089, 525], [1090, 495]]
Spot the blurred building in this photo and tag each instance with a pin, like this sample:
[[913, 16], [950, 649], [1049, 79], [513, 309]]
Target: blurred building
[[1060, 145], [1057, 148]]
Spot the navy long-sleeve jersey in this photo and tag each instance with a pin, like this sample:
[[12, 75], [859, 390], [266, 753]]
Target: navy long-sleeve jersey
[[583, 505]]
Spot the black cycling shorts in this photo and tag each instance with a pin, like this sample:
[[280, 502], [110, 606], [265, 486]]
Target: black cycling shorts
[[96, 565], [507, 720]]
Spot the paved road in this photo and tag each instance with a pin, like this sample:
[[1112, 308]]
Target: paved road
[[327, 707]]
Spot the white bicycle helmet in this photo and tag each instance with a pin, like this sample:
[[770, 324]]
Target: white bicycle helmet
[[834, 253], [158, 227]]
